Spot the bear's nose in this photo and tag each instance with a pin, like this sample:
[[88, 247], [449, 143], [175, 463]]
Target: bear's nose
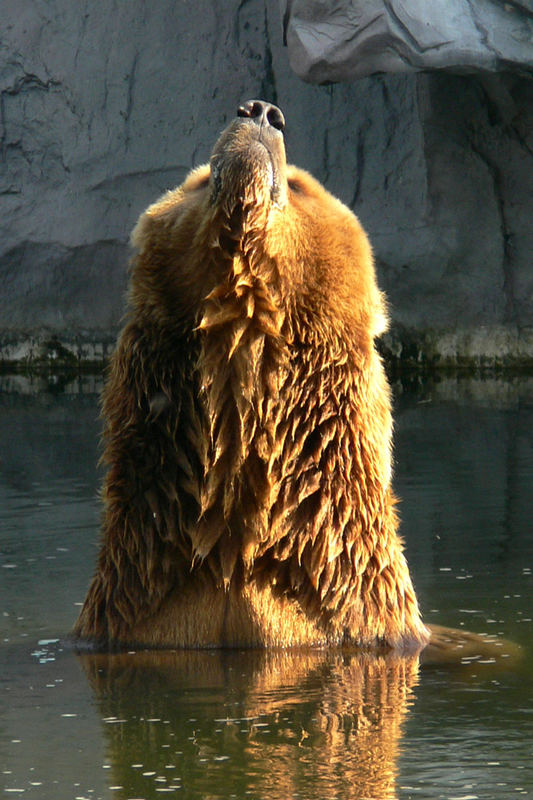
[[262, 113]]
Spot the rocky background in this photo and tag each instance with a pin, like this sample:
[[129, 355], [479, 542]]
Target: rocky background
[[104, 105]]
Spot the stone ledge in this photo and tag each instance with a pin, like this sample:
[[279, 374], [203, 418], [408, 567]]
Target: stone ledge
[[498, 347], [47, 350]]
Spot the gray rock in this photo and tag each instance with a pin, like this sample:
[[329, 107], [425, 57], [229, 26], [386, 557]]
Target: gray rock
[[104, 107], [331, 42]]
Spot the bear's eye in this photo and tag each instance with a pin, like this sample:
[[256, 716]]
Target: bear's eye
[[296, 186]]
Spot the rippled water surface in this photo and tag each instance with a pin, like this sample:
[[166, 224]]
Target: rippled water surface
[[277, 725]]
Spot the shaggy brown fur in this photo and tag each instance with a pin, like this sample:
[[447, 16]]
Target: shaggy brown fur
[[248, 424]]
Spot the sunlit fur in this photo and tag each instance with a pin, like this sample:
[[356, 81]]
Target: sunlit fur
[[248, 427]]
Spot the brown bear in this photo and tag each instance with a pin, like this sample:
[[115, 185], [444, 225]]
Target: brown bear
[[248, 498]]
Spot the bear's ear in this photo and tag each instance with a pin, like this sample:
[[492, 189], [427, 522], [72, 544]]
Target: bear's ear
[[143, 231], [165, 210], [197, 179], [156, 218]]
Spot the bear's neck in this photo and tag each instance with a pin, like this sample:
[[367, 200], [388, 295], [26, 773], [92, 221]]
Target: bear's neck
[[242, 354]]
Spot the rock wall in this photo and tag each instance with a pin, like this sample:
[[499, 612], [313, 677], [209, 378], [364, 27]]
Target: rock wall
[[104, 106], [351, 39]]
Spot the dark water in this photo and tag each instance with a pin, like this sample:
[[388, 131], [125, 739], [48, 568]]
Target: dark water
[[276, 725]]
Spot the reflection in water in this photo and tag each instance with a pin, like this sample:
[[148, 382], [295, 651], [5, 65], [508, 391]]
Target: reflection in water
[[281, 726], [287, 724]]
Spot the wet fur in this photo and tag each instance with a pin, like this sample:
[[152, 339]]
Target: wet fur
[[248, 426]]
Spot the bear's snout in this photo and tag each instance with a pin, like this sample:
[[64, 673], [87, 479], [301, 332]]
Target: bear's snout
[[263, 114], [248, 165]]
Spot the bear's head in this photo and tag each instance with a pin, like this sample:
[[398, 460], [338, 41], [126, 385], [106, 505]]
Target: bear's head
[[302, 242]]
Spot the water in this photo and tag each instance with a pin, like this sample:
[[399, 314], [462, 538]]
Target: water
[[278, 725]]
